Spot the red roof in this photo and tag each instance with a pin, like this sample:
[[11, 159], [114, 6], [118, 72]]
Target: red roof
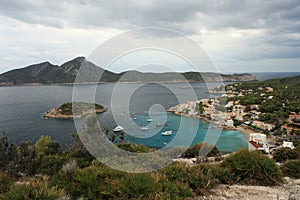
[[255, 144]]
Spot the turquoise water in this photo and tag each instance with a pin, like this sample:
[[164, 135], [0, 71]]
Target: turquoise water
[[21, 109], [192, 132]]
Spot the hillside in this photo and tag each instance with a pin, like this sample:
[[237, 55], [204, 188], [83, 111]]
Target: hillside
[[47, 73]]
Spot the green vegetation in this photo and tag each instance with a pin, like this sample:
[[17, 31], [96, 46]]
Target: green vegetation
[[35, 190], [77, 107], [46, 171], [201, 149], [277, 103], [284, 154], [291, 168], [251, 168]]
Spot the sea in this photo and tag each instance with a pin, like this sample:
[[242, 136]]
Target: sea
[[21, 110]]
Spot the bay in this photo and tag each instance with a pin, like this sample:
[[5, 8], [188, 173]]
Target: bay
[[21, 110]]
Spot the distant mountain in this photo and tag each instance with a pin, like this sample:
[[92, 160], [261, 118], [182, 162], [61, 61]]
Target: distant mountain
[[47, 73]]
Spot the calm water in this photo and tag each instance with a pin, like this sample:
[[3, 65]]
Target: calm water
[[270, 75], [22, 107]]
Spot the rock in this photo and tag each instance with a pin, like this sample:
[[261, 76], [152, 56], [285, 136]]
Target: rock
[[288, 191]]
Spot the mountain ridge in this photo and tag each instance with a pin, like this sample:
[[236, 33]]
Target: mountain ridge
[[46, 73]]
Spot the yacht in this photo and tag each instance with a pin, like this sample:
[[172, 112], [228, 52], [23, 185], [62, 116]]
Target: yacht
[[149, 120], [118, 128], [159, 124], [144, 128], [166, 133]]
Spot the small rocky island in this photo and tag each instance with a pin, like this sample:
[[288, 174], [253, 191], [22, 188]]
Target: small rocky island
[[74, 110]]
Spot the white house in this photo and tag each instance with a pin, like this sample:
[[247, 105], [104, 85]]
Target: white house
[[258, 141], [288, 145]]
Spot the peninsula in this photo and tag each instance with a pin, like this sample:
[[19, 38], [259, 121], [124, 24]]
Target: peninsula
[[74, 110]]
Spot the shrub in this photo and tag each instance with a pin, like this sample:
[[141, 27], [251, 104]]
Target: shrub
[[51, 164], [36, 190], [291, 168], [283, 154], [204, 149], [199, 178], [86, 183], [134, 148], [5, 183], [251, 168], [137, 186]]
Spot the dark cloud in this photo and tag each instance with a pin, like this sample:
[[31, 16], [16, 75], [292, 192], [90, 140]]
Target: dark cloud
[[177, 14], [277, 20]]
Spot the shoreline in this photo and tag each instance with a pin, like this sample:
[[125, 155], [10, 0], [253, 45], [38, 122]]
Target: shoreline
[[245, 131], [126, 82]]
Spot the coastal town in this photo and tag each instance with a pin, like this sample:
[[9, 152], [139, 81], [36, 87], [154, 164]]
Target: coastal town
[[227, 110]]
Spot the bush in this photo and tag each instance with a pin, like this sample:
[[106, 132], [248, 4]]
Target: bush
[[204, 149], [134, 148], [5, 183], [251, 168], [198, 178], [51, 164], [36, 190], [291, 168], [283, 154], [137, 186]]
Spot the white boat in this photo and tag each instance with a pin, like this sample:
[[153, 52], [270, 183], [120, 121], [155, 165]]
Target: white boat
[[135, 118], [118, 128], [149, 120], [159, 124], [166, 133], [144, 128]]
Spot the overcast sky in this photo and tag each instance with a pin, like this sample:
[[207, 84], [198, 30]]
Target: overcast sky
[[239, 36]]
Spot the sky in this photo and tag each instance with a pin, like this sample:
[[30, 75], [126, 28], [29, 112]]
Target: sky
[[238, 36]]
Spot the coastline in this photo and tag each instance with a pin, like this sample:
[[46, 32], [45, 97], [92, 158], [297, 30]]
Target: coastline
[[245, 131], [126, 82]]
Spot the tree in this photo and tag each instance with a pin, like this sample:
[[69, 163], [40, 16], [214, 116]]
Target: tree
[[4, 148], [122, 136], [200, 108], [41, 145], [113, 138], [27, 162]]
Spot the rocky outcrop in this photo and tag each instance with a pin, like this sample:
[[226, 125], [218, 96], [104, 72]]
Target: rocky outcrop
[[290, 190]]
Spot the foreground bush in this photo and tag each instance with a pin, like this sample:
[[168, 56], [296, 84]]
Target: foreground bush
[[198, 178], [5, 183], [100, 182], [284, 154], [291, 168], [36, 190], [251, 168]]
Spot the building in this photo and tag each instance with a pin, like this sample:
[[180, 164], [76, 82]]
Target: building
[[258, 141], [288, 145], [229, 123], [263, 126]]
